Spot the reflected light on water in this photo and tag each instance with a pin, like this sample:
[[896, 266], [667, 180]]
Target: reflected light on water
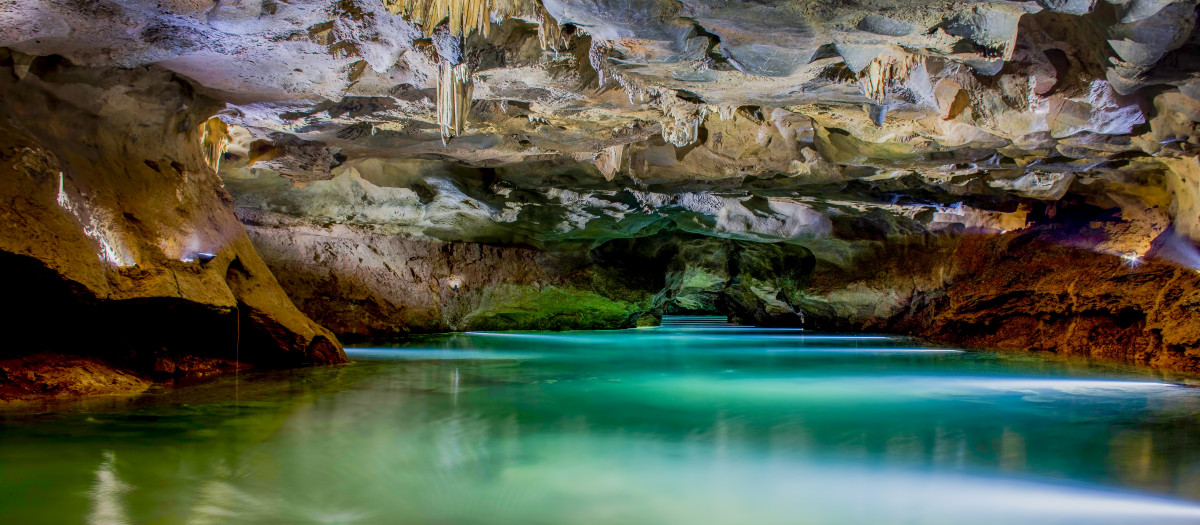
[[107, 494], [704, 424], [435, 355], [855, 350], [722, 336]]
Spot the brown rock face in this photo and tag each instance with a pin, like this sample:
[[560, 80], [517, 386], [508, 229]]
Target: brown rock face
[[1021, 293], [1028, 291], [119, 241], [59, 375]]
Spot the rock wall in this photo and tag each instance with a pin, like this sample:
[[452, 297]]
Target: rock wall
[[370, 286], [1047, 288], [1022, 291], [120, 244], [577, 164], [1033, 290]]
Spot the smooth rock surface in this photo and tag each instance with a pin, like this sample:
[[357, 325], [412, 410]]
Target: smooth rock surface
[[120, 239]]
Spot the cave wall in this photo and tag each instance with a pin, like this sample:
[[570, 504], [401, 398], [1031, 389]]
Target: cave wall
[[851, 166], [1031, 290], [1036, 289], [370, 286], [109, 209], [1022, 292], [365, 285]]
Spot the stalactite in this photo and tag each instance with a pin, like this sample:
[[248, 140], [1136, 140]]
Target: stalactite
[[885, 72], [877, 113], [598, 58], [682, 130], [611, 160], [549, 32], [454, 92], [681, 119], [607, 73], [464, 17], [638, 93], [214, 142]]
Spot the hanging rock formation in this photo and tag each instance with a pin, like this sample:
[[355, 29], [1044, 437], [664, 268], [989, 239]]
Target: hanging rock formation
[[1003, 174], [454, 91]]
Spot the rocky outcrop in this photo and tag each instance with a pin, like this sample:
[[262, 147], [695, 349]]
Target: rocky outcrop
[[1075, 286], [411, 166], [1021, 291], [121, 246], [371, 286], [751, 282], [1031, 290]]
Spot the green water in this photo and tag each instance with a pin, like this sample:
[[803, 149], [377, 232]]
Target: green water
[[691, 423]]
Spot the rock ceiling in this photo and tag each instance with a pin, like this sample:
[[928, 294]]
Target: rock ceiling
[[585, 120]]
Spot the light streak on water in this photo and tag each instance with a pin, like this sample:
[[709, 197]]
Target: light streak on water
[[702, 424], [433, 354], [708, 335], [864, 350]]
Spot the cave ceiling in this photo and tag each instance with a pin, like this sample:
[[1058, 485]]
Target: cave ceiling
[[584, 120]]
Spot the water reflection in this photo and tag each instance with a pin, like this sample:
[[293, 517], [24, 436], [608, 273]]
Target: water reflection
[[217, 499], [499, 430], [108, 494]]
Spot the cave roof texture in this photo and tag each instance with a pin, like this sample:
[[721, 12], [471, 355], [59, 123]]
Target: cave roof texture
[[548, 122]]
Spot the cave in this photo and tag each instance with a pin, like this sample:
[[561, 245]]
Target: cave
[[570, 261]]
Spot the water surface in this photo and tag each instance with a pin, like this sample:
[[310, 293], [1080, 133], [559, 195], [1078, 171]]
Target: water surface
[[692, 422]]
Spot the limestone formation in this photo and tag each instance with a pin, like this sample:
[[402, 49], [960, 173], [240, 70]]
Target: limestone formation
[[886, 166], [454, 91], [126, 258]]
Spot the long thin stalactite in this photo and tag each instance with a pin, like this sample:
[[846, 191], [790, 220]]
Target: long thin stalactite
[[454, 93], [463, 17]]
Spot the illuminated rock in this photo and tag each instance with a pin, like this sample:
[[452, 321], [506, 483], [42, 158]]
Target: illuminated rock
[[521, 128]]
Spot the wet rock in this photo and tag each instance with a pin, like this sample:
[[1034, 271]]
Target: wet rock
[[1019, 292], [64, 376], [567, 163], [125, 243], [765, 283], [365, 285]]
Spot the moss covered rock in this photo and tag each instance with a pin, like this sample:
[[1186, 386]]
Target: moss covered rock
[[530, 307]]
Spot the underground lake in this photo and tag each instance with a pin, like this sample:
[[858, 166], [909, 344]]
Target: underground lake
[[695, 421], [600, 262]]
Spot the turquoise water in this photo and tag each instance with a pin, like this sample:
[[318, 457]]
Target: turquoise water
[[690, 423]]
